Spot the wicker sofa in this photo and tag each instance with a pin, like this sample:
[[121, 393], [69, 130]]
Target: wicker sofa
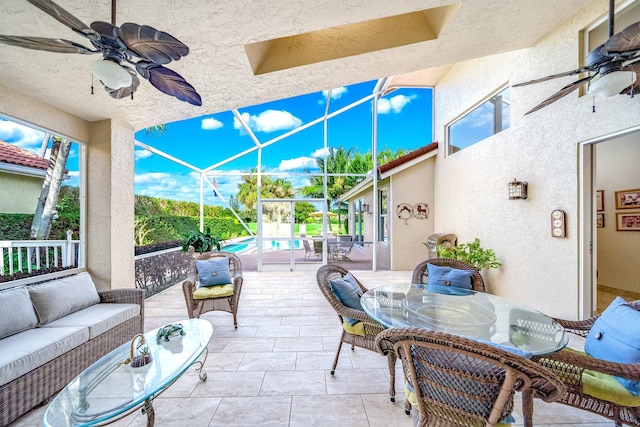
[[52, 331]]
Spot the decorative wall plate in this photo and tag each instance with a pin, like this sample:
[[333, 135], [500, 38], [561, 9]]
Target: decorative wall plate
[[404, 211], [421, 210]]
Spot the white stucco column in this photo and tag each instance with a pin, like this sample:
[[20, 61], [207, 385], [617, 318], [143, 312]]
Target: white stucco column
[[110, 205]]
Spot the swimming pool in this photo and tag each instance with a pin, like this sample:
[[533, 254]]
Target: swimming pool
[[267, 244]]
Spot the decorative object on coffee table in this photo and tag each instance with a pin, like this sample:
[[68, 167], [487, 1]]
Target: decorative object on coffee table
[[139, 355]]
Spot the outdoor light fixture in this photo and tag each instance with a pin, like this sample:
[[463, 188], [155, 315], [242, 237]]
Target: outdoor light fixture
[[517, 190], [111, 74], [365, 208], [612, 83]]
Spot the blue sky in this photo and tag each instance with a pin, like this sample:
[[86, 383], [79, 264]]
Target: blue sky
[[404, 121]]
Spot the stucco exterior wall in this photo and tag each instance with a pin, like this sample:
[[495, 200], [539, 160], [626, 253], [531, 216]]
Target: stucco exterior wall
[[541, 148], [412, 185], [617, 169], [19, 193]]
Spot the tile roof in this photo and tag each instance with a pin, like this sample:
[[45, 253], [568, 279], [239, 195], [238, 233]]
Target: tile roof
[[407, 157], [15, 155]]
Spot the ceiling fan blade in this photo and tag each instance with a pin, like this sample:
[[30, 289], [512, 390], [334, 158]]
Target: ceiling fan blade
[[108, 33], [123, 92], [64, 17], [561, 93], [51, 45], [626, 41], [169, 82], [554, 76], [152, 45]]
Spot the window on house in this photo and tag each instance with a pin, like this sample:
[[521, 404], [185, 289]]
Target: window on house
[[358, 223], [626, 14], [383, 230], [487, 119]]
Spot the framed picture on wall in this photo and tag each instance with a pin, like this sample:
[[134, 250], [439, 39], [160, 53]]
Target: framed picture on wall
[[600, 220], [628, 199], [628, 221], [600, 200]]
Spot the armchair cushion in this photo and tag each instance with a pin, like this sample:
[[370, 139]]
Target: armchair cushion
[[214, 272], [448, 276], [348, 294], [207, 292], [615, 337], [355, 329], [607, 387]]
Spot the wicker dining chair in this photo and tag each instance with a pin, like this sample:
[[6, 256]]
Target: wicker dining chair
[[421, 274], [196, 307], [371, 328], [571, 365], [456, 381]]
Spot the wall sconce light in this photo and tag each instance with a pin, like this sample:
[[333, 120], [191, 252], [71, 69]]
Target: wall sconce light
[[517, 190], [365, 208]]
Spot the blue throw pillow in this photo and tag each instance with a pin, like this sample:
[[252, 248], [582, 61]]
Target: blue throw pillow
[[348, 294], [349, 278], [448, 276], [615, 337], [213, 272]]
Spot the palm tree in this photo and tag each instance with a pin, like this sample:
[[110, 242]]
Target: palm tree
[[337, 161]]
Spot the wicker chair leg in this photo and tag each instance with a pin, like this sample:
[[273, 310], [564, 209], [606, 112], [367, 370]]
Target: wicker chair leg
[[391, 359], [335, 362], [407, 407], [527, 407]]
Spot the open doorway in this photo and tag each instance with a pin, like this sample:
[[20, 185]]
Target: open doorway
[[611, 220]]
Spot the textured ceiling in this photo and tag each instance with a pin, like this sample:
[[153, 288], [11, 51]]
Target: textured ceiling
[[218, 32]]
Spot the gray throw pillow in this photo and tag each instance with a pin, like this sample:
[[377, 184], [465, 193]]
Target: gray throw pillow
[[16, 311], [53, 300]]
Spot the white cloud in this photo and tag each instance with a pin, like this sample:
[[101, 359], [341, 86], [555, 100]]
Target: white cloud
[[394, 104], [320, 152], [211, 124], [22, 136], [141, 154], [335, 93], [268, 121], [297, 164]]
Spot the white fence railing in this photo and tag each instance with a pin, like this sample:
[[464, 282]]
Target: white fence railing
[[32, 255]]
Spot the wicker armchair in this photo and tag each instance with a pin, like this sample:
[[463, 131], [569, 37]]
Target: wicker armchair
[[569, 365], [420, 273], [455, 381], [371, 327], [195, 308]]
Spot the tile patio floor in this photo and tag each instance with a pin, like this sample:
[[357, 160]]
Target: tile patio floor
[[274, 369]]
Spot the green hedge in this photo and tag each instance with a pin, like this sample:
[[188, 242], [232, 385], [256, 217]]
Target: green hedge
[[164, 228]]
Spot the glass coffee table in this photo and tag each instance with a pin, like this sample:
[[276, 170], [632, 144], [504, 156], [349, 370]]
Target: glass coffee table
[[476, 315], [109, 390]]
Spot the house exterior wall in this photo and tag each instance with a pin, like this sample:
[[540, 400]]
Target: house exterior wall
[[412, 185], [541, 148], [19, 193]]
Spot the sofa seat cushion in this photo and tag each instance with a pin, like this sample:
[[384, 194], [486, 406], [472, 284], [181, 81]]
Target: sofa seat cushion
[[25, 351], [98, 318], [53, 300]]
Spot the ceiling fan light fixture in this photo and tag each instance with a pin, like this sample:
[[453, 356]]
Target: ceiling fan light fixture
[[612, 83], [111, 74]]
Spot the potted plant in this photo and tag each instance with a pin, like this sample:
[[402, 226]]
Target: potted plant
[[201, 241], [470, 253]]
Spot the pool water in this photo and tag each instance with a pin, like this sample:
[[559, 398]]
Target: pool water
[[269, 245]]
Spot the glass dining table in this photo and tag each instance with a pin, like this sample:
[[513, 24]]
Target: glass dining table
[[476, 315]]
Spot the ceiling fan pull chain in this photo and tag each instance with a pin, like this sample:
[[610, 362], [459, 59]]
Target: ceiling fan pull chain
[[593, 106], [91, 83]]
